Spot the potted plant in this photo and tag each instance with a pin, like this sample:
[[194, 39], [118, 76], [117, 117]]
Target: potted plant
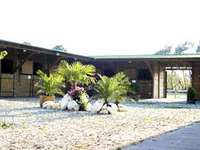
[[81, 97], [48, 86], [134, 91], [77, 74], [191, 95]]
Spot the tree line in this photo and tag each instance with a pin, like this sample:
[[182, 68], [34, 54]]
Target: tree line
[[180, 49], [176, 82]]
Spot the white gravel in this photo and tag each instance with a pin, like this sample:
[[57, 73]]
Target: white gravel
[[37, 128]]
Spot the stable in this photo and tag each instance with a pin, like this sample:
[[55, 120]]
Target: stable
[[18, 69]]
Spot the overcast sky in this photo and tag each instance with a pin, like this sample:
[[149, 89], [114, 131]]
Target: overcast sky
[[101, 27]]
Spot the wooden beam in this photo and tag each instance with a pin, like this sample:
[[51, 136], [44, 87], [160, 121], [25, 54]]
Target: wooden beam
[[150, 68], [44, 50], [54, 63], [25, 59]]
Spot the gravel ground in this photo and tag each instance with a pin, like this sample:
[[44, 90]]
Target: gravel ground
[[31, 127]]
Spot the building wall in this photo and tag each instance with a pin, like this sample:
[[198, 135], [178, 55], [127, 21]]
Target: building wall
[[27, 67], [22, 85], [7, 85], [131, 70], [53, 68]]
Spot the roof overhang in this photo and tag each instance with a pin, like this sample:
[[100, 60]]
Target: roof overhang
[[40, 50]]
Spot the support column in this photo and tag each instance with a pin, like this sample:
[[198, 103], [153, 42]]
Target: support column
[[162, 82], [196, 78], [158, 81], [155, 81]]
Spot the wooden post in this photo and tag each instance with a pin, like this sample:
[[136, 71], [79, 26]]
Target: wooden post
[[155, 80], [25, 59]]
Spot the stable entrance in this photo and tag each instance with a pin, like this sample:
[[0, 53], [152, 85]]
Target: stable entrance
[[178, 82]]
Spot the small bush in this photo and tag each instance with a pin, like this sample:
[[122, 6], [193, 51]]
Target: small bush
[[134, 87], [191, 93]]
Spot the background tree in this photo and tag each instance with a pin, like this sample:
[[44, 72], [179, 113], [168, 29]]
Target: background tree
[[181, 48], [59, 48], [27, 43], [166, 50], [198, 48], [176, 81]]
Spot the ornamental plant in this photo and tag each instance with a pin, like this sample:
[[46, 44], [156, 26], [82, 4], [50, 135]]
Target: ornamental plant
[[134, 87], [113, 88], [80, 96], [49, 85], [191, 93], [76, 92], [77, 73]]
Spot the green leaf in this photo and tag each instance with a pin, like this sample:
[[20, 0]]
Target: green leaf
[[50, 85]]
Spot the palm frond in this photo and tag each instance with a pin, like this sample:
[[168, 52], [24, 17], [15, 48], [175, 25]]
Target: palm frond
[[49, 85], [113, 88], [77, 72]]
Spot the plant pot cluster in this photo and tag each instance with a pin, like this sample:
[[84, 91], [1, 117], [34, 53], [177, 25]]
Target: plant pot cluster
[[108, 88]]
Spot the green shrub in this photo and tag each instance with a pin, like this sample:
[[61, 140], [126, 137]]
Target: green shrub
[[49, 85], [191, 93], [134, 88], [77, 73], [113, 88]]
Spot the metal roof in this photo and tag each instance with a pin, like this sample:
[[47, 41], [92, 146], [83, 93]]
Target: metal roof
[[150, 56], [41, 49], [103, 57]]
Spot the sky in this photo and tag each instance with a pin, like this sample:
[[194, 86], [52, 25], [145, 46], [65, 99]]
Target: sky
[[101, 27]]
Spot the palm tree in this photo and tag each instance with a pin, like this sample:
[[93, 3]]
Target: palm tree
[[77, 73], [113, 88]]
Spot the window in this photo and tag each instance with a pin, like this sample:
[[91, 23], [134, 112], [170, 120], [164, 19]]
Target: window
[[6, 66], [144, 74], [36, 67]]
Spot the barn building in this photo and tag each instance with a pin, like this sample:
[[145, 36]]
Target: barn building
[[18, 69]]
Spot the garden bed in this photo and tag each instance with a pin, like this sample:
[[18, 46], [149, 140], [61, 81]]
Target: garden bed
[[31, 127]]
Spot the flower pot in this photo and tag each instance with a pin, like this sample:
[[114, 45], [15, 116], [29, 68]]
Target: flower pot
[[44, 98]]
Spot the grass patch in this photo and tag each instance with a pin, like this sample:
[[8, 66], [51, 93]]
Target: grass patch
[[6, 125], [79, 145]]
